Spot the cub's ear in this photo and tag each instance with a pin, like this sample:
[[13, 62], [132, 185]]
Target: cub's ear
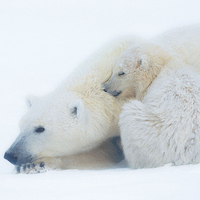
[[77, 109], [30, 99]]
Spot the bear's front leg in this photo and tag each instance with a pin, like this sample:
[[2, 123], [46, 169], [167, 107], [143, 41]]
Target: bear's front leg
[[107, 155]]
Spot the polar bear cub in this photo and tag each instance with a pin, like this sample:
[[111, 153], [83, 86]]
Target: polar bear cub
[[165, 126], [139, 65]]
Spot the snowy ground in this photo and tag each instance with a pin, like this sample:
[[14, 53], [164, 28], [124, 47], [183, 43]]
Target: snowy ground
[[41, 42]]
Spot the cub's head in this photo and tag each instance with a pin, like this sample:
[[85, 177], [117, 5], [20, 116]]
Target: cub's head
[[135, 69]]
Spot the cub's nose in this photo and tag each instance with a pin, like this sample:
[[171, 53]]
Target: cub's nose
[[11, 158], [105, 87]]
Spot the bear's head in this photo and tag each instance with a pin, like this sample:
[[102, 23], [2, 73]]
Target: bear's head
[[61, 124], [135, 69]]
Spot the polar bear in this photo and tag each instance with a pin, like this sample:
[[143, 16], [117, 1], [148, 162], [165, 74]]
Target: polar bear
[[134, 75], [139, 65], [165, 126], [76, 125]]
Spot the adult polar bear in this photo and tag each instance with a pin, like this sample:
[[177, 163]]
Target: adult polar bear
[[72, 127], [164, 126]]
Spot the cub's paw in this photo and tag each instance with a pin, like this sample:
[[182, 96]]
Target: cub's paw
[[31, 168]]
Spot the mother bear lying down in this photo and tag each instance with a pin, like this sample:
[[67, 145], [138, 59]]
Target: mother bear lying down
[[74, 126]]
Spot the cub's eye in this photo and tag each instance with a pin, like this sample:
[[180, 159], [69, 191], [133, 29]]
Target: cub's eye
[[39, 130], [121, 73]]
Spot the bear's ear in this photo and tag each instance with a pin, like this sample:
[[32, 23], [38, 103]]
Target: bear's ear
[[77, 109], [144, 63], [30, 99]]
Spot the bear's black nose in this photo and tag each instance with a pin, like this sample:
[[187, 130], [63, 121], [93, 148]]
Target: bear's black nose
[[11, 158]]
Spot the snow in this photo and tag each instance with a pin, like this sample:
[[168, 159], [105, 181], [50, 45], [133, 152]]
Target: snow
[[162, 183], [41, 42]]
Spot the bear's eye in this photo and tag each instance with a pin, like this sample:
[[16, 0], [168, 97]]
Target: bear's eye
[[39, 129], [121, 73], [74, 110]]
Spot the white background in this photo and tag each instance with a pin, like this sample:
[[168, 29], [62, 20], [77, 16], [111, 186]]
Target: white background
[[41, 42]]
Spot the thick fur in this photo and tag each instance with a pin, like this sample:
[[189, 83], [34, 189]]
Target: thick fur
[[165, 126], [79, 119], [139, 65], [160, 129]]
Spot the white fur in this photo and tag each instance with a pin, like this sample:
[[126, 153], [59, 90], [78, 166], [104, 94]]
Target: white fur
[[165, 126], [181, 42], [142, 62], [79, 117]]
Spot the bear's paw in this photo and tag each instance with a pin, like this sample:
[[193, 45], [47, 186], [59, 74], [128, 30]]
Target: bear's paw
[[31, 168]]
